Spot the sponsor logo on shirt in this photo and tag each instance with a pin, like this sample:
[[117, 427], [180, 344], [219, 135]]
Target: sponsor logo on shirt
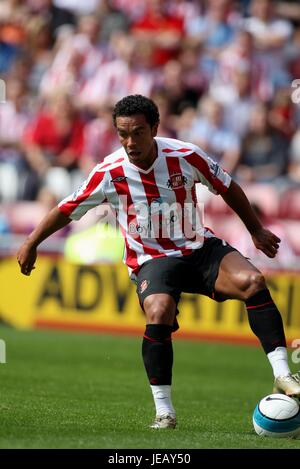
[[119, 179]]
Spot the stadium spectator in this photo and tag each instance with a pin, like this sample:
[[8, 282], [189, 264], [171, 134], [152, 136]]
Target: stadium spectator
[[264, 154], [13, 18], [14, 117], [179, 94], [238, 55], [185, 9], [293, 172], [151, 171], [212, 32], [133, 9], [271, 36], [193, 77], [238, 101], [100, 129], [118, 77], [162, 29], [77, 58], [39, 50], [112, 20], [293, 54], [53, 146], [78, 7], [209, 133], [282, 113], [166, 125], [54, 15]]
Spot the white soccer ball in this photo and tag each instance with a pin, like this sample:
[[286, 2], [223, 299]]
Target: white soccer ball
[[277, 416]]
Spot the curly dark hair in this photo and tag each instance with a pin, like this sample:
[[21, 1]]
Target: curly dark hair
[[136, 104]]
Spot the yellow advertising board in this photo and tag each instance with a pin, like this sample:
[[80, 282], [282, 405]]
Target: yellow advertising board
[[102, 298]]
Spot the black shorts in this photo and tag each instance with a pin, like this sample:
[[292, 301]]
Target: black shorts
[[195, 273]]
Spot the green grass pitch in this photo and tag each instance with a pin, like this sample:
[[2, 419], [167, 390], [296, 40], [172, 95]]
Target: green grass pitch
[[67, 390]]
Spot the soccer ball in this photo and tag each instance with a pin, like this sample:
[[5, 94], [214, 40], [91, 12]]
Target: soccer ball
[[277, 416]]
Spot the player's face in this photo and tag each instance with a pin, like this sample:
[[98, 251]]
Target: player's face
[[137, 138]]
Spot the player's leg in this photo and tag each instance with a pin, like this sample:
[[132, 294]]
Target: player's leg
[[157, 351], [158, 291], [239, 279]]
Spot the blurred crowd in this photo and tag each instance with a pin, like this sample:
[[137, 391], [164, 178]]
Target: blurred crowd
[[225, 75]]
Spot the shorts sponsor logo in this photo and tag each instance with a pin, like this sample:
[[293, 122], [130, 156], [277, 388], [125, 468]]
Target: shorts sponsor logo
[[144, 285]]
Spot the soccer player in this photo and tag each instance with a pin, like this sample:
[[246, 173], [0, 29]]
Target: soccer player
[[166, 251]]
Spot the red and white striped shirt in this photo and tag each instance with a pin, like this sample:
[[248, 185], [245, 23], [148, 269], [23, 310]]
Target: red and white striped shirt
[[153, 205]]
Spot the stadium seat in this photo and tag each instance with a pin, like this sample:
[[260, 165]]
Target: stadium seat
[[24, 216], [292, 229], [290, 204], [265, 196]]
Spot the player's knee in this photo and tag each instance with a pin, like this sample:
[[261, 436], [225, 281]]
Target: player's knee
[[250, 283], [159, 311]]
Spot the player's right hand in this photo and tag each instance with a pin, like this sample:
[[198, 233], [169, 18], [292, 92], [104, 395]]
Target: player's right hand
[[26, 257]]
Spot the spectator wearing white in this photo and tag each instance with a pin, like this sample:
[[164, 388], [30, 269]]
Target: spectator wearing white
[[133, 9], [212, 32], [122, 76], [240, 54], [14, 116], [294, 161], [271, 36], [209, 133], [78, 57], [186, 9], [237, 109], [79, 7]]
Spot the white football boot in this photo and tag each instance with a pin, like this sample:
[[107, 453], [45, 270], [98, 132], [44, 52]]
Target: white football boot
[[164, 421], [289, 385]]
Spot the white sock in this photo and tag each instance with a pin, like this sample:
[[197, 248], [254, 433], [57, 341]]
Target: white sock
[[162, 399], [279, 361]]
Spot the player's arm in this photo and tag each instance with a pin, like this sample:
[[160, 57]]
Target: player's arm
[[263, 239], [89, 195], [53, 221]]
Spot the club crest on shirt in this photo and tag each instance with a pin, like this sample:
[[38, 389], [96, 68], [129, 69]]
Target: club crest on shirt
[[176, 181], [144, 285]]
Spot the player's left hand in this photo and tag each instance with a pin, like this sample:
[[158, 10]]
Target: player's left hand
[[266, 241]]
